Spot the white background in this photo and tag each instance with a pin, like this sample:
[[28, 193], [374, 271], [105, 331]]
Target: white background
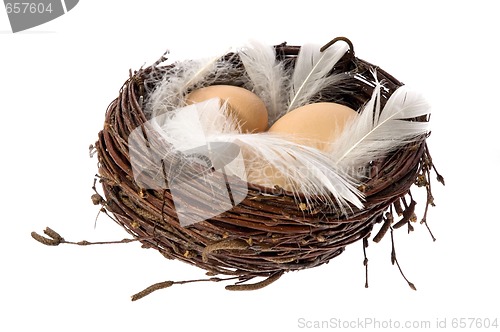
[[56, 81]]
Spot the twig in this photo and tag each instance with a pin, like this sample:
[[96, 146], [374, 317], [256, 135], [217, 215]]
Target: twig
[[395, 261], [229, 244], [55, 239], [257, 285], [365, 261], [166, 284], [389, 219]]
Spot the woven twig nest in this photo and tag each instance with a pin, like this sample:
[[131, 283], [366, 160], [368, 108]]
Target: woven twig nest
[[271, 231]]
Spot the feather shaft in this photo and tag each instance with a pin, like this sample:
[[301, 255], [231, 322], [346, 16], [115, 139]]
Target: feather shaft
[[311, 71], [375, 133]]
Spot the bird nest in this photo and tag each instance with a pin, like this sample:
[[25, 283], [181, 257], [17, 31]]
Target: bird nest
[[271, 230]]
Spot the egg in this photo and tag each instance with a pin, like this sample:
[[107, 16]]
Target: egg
[[248, 109], [316, 125]]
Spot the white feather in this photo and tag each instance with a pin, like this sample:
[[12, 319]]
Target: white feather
[[302, 169], [268, 77], [310, 74], [192, 126], [169, 93], [375, 133]]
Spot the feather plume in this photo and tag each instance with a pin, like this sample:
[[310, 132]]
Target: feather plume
[[375, 133], [297, 168], [192, 126], [310, 74], [268, 78], [169, 93]]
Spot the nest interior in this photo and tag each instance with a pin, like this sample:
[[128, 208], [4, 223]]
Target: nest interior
[[270, 232]]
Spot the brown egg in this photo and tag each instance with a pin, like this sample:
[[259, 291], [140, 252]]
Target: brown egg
[[315, 125], [246, 106]]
